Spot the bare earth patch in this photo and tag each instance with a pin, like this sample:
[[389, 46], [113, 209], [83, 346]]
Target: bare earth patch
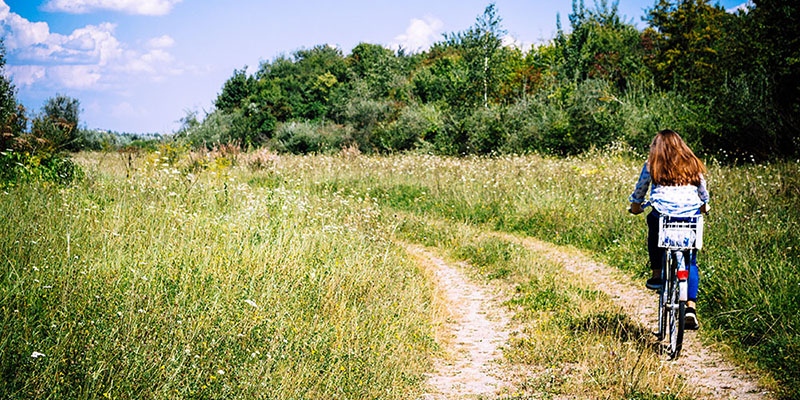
[[705, 368], [475, 331]]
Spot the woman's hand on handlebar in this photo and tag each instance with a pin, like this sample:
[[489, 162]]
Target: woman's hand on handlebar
[[636, 208]]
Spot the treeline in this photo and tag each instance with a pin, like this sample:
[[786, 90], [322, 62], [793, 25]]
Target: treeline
[[728, 82]]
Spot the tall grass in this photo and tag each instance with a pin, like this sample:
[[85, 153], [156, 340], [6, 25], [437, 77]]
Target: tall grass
[[222, 283], [749, 288], [197, 277]]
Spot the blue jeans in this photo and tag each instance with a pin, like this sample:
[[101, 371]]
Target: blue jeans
[[657, 255]]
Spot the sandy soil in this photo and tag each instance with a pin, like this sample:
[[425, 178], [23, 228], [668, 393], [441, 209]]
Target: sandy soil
[[476, 328]]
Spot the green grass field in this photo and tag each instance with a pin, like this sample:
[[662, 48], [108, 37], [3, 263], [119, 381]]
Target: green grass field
[[256, 276], [750, 286]]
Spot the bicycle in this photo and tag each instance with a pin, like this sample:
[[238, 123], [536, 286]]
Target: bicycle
[[681, 237]]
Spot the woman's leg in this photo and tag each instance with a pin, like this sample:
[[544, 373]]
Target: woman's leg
[[656, 253], [694, 277]]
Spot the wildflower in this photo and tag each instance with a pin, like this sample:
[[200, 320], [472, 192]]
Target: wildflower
[[36, 354]]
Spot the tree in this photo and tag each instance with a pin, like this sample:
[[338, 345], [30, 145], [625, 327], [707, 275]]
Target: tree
[[776, 29], [378, 67], [601, 46], [8, 103], [687, 37], [479, 47], [235, 90], [64, 109], [59, 121]]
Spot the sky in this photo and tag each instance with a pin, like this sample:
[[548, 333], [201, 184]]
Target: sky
[[139, 65]]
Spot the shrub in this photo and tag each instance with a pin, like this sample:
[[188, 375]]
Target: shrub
[[645, 111], [19, 167], [593, 118], [748, 119], [535, 124], [486, 130], [415, 126], [309, 137], [215, 129], [366, 115]]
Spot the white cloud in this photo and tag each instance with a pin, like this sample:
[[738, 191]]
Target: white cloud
[[420, 34], [89, 57], [743, 7], [75, 76], [161, 42], [141, 7], [153, 62], [19, 32], [25, 75]]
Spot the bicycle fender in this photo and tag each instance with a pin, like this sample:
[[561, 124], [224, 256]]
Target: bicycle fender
[[683, 288]]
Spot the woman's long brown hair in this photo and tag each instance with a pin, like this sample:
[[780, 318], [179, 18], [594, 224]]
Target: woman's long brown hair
[[672, 162]]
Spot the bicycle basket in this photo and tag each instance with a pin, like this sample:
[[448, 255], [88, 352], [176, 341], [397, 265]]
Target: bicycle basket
[[680, 233]]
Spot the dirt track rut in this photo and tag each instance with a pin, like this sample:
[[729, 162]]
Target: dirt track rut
[[476, 329]]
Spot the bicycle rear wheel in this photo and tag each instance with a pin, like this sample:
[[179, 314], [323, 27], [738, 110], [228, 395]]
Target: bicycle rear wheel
[[676, 313]]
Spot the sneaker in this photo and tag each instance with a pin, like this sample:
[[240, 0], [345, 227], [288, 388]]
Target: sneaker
[[690, 321], [654, 283]]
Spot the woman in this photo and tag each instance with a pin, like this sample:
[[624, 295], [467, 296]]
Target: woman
[[678, 190]]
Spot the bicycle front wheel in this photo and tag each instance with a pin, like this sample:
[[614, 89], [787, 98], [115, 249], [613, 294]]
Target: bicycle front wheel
[[676, 313], [663, 298]]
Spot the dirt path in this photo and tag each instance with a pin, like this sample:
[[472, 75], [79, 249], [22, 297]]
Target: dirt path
[[476, 329], [704, 366]]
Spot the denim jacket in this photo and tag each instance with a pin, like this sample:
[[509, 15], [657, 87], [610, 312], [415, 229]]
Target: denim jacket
[[676, 201]]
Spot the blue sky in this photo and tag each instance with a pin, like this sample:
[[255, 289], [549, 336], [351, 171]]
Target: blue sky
[[138, 65]]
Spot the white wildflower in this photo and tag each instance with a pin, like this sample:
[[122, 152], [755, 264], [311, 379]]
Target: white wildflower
[[36, 354]]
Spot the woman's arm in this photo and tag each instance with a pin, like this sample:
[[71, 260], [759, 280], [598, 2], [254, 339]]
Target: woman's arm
[[641, 186], [702, 192]]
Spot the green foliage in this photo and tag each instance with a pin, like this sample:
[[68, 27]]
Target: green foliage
[[479, 49], [417, 126], [688, 38], [600, 46], [235, 91], [17, 168], [59, 122], [536, 124], [36, 155], [308, 137], [486, 130], [8, 102]]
